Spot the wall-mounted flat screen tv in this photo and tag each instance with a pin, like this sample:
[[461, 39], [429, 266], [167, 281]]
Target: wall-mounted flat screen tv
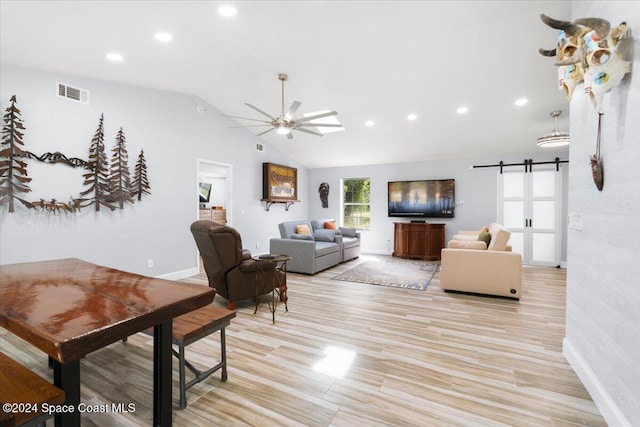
[[205, 192], [427, 198]]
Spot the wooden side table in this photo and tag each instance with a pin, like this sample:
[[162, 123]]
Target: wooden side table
[[278, 282]]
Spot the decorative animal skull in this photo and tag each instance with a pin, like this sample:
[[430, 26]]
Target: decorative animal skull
[[589, 51], [605, 62], [567, 54]]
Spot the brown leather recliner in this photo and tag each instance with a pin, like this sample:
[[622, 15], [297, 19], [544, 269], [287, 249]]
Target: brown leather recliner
[[230, 269]]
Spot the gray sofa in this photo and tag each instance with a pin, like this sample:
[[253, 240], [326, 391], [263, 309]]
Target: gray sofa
[[316, 252], [350, 247]]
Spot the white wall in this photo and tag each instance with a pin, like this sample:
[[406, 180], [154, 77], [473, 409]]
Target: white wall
[[173, 135], [602, 341], [477, 188]]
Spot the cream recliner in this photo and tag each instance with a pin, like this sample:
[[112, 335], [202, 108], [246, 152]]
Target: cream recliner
[[470, 265]]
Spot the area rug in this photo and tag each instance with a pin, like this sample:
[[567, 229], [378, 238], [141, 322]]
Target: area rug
[[394, 273]]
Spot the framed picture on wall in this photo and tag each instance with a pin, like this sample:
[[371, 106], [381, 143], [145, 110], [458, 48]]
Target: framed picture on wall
[[279, 183]]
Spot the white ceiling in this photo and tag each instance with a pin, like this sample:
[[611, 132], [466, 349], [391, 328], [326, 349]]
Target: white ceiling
[[368, 60]]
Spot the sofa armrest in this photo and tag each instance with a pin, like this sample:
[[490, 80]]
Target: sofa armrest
[[481, 271], [302, 253]]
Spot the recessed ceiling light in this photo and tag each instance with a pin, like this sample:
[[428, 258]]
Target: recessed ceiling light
[[369, 123], [116, 57], [462, 110], [163, 37], [227, 11], [521, 101], [412, 117]]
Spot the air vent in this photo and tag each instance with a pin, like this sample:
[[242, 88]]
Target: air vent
[[259, 147], [72, 93]]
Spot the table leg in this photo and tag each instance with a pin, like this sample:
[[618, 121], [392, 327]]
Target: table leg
[[283, 287], [67, 377], [162, 404]]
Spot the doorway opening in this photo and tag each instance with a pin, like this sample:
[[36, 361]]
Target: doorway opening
[[218, 204]]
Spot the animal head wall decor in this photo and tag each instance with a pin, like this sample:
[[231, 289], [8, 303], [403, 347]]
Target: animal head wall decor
[[590, 52], [324, 194]]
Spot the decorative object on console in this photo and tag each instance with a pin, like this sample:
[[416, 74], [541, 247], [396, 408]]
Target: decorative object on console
[[285, 123], [324, 194], [590, 52], [279, 185], [110, 185], [555, 138]]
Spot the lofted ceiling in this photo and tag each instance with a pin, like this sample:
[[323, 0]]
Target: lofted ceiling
[[367, 60]]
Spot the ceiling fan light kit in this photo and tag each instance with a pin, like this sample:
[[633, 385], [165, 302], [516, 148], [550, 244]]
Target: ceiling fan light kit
[[285, 123], [555, 138]]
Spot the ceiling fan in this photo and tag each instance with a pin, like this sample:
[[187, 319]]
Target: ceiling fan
[[285, 123]]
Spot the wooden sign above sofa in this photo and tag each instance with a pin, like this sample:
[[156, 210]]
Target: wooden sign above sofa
[[279, 185]]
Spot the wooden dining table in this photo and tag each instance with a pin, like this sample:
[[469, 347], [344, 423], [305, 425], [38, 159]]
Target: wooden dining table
[[69, 308]]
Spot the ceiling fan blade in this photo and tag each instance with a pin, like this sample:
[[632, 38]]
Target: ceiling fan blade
[[289, 136], [249, 126], [259, 111], [245, 118], [317, 116], [320, 125], [292, 110], [268, 130], [309, 131]]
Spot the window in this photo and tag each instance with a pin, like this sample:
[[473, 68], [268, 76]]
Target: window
[[356, 203]]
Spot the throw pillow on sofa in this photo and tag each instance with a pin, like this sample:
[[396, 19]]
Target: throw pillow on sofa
[[330, 225], [303, 229], [348, 231], [324, 235], [302, 237], [484, 236]]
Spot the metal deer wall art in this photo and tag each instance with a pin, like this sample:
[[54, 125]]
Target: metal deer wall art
[[108, 185]]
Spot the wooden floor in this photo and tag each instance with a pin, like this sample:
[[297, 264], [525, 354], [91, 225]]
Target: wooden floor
[[350, 354]]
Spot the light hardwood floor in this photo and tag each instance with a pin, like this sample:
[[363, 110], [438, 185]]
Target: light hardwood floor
[[419, 359]]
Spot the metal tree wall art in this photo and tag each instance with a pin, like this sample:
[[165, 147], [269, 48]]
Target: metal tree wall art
[[110, 185], [98, 176], [589, 51], [140, 181], [119, 180], [13, 169]]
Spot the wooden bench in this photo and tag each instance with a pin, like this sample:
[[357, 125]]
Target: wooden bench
[[191, 327], [20, 385]]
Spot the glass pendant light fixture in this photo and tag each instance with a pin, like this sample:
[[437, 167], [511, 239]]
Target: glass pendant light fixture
[[555, 138]]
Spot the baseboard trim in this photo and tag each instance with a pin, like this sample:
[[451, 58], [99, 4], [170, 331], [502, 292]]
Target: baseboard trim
[[177, 275], [375, 251], [607, 407]]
